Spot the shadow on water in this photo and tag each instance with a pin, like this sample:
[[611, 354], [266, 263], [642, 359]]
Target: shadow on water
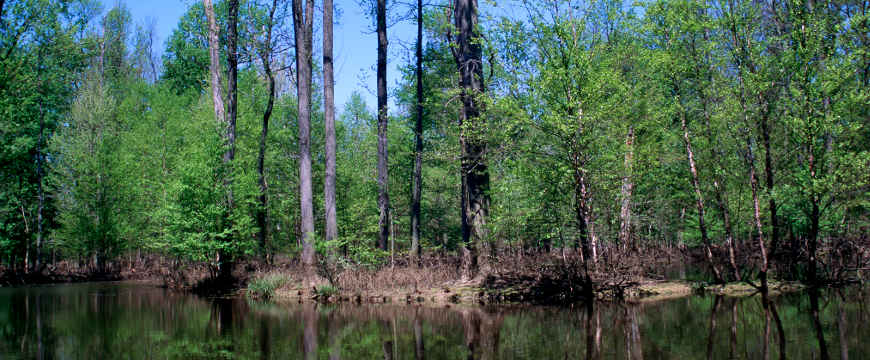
[[122, 320]]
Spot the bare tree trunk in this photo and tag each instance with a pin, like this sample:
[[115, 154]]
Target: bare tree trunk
[[586, 240], [383, 173], [265, 56], [329, 124], [469, 59], [214, 62], [627, 186], [753, 182], [302, 31], [699, 199], [416, 187]]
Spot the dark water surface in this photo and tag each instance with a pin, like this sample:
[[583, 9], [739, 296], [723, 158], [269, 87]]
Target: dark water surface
[[136, 321]]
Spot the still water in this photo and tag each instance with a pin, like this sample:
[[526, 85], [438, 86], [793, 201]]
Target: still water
[[137, 321]]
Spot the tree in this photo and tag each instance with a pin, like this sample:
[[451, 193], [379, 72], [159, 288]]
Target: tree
[[417, 180], [43, 51], [383, 118], [89, 180], [302, 31], [681, 27], [229, 113], [329, 123], [266, 52], [468, 55]]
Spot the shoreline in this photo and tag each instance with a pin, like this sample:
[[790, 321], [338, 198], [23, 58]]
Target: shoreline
[[473, 294]]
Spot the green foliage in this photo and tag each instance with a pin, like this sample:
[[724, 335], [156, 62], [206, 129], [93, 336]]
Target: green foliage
[[89, 178], [135, 162], [264, 287]]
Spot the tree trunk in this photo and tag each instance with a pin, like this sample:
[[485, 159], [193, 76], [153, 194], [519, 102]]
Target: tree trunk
[[768, 174], [232, 88], [331, 231], [469, 60], [416, 187], [721, 195], [265, 56], [814, 222], [40, 193], [302, 32], [699, 198], [214, 62], [627, 186], [581, 209], [229, 118], [753, 182], [383, 173]]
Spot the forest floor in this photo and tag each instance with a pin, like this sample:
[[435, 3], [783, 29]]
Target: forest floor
[[536, 279]]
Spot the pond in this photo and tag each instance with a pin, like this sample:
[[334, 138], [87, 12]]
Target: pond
[[139, 321]]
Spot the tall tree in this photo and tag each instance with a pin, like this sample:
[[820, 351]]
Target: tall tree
[[383, 172], [227, 114], [303, 29], [232, 93], [468, 55], [417, 185], [329, 123], [265, 51]]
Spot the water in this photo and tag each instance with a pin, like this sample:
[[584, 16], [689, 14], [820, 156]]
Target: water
[[137, 321]]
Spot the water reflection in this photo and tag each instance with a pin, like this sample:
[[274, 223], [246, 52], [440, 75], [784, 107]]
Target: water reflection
[[132, 321]]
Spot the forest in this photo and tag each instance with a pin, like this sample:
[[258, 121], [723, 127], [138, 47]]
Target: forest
[[581, 142]]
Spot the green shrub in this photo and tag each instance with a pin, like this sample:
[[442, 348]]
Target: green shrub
[[265, 286], [325, 291]]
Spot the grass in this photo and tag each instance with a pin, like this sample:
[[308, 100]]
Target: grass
[[325, 291], [264, 287]]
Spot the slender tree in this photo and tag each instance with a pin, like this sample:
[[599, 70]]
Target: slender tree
[[266, 58], [699, 198], [627, 187], [232, 92], [303, 28], [329, 123], [383, 173], [416, 187]]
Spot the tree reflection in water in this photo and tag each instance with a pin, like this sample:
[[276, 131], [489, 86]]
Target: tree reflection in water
[[133, 321]]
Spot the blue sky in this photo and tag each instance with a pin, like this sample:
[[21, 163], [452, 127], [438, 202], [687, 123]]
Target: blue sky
[[355, 44]]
